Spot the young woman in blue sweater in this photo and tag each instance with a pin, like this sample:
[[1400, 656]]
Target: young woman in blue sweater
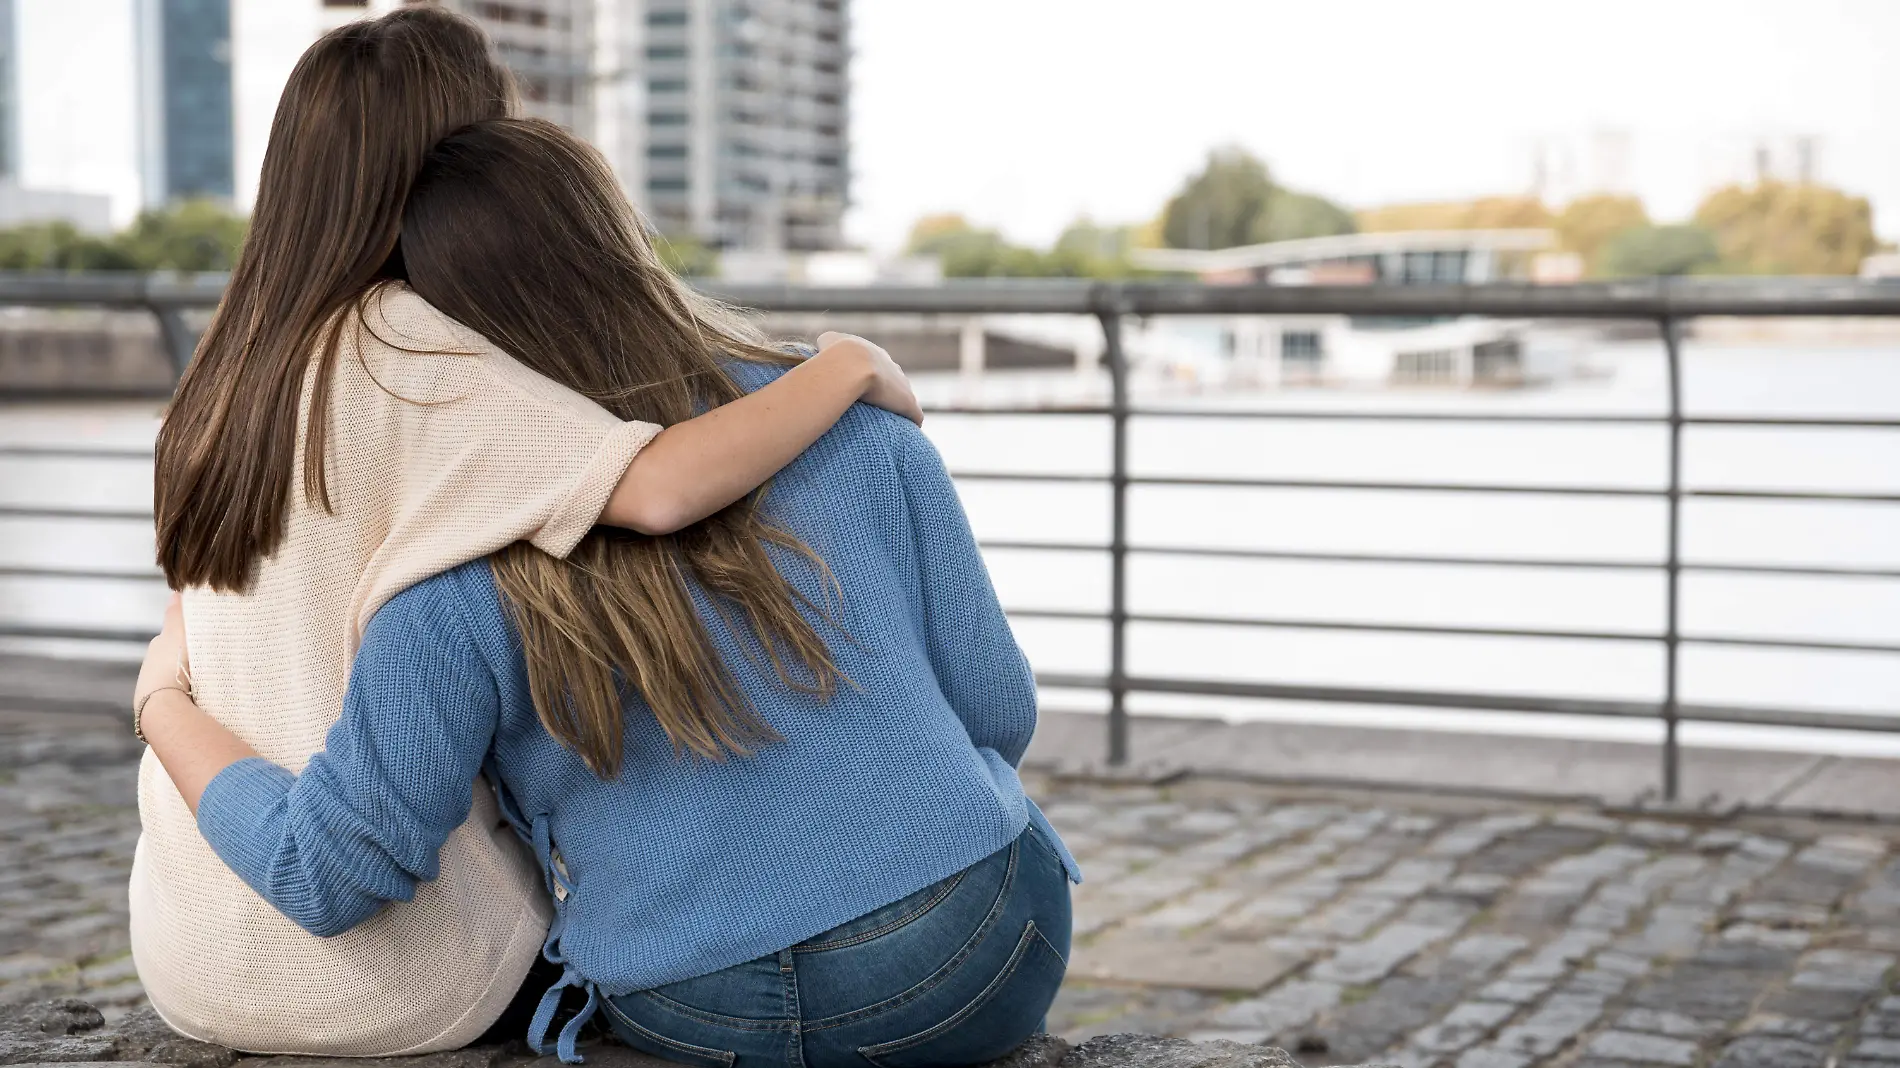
[[767, 764]]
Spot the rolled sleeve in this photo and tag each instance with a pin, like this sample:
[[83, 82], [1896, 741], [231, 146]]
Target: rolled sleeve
[[576, 512]]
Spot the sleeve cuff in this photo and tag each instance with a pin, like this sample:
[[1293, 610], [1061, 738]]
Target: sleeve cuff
[[236, 810], [577, 512]]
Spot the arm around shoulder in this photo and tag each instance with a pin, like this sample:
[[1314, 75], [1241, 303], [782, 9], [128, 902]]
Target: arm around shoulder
[[364, 822], [693, 469]]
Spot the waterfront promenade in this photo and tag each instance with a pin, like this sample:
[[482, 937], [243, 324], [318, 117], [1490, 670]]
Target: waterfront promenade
[[1513, 905]]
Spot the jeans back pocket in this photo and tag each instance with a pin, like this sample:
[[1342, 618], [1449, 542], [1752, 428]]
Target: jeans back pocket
[[1006, 1011]]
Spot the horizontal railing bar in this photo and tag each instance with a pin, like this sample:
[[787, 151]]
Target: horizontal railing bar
[[1025, 411], [1320, 557], [1534, 563], [1318, 415], [1366, 416], [1294, 415], [1215, 482], [34, 511], [1243, 554], [63, 452], [111, 289], [1817, 644], [90, 634], [1488, 702], [1794, 495], [1327, 624], [1644, 299], [1823, 422], [1455, 630], [1815, 571], [80, 573], [1635, 299], [1427, 487], [1314, 483]]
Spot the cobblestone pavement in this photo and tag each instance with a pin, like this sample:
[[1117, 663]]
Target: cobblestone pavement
[[1347, 926]]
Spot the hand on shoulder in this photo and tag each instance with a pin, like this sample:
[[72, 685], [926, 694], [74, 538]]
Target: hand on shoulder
[[889, 388]]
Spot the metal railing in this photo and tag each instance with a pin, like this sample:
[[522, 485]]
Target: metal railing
[[1666, 304]]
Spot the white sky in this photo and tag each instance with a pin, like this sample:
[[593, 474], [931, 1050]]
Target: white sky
[[1025, 113]]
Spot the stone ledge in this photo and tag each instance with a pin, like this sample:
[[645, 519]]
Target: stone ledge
[[70, 1033]]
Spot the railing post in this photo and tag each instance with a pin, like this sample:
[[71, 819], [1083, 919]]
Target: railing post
[[1109, 314], [175, 336], [1672, 565]]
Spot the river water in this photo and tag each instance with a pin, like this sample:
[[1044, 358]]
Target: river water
[[1832, 380]]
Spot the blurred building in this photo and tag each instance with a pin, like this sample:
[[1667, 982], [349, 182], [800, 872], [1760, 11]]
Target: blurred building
[[9, 94], [726, 119], [186, 143], [1403, 257], [746, 121], [549, 44]]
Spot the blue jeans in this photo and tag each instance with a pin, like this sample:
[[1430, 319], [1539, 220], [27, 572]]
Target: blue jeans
[[958, 973]]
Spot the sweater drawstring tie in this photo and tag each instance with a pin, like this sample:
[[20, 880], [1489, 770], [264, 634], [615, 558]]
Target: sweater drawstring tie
[[559, 888]]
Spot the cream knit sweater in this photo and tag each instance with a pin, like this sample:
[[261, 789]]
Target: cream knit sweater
[[433, 460]]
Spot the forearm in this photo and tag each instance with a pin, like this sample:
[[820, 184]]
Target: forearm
[[693, 469], [193, 747]]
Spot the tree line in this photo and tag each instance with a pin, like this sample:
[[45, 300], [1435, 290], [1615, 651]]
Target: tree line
[[1766, 228], [195, 235]]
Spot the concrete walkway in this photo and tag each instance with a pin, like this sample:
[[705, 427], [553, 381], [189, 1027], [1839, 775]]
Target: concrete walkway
[[1618, 774], [1275, 896]]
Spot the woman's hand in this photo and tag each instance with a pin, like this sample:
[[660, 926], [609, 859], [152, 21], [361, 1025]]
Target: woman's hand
[[192, 746], [889, 389], [167, 660]]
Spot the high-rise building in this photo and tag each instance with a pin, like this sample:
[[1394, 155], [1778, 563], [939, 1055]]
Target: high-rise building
[[726, 120], [746, 121], [9, 94], [549, 44], [186, 142]]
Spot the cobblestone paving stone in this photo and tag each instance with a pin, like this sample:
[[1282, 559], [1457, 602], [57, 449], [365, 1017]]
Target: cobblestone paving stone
[[1346, 926]]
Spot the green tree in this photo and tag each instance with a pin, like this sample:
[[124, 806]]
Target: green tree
[[967, 251], [1588, 223], [1084, 250], [59, 246], [686, 255], [1234, 201], [1644, 251], [1485, 213], [195, 235], [1789, 228], [1293, 215], [1222, 205]]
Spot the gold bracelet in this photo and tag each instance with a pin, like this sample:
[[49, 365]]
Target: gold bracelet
[[138, 710]]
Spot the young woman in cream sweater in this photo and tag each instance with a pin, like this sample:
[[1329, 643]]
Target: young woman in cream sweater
[[335, 440]]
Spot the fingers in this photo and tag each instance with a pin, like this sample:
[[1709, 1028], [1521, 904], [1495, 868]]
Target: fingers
[[830, 338]]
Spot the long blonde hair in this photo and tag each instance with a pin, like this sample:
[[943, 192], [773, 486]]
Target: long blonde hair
[[519, 230]]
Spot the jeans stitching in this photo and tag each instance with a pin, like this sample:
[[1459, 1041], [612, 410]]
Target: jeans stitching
[[949, 968], [795, 1040], [1030, 937], [731, 1023], [948, 887], [724, 1056], [1050, 946]]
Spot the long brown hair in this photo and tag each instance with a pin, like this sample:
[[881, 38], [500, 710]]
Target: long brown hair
[[518, 230], [356, 118]]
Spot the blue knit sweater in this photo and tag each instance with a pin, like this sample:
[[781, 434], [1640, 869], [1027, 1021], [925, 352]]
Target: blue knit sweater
[[681, 866]]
